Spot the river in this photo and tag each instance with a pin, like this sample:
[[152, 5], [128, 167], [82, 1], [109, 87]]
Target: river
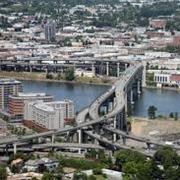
[[166, 101]]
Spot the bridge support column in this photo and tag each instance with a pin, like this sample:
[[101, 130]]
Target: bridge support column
[[110, 106], [139, 87], [118, 70], [126, 65], [93, 69], [15, 148], [30, 68], [79, 139], [107, 68], [52, 138], [96, 142], [114, 135], [121, 120], [124, 140], [39, 140], [132, 97], [144, 74], [74, 66]]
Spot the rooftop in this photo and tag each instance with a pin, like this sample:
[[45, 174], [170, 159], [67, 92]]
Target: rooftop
[[5, 81]]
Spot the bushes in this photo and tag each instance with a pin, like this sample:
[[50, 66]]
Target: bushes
[[92, 177], [81, 164], [97, 171], [3, 173], [69, 74]]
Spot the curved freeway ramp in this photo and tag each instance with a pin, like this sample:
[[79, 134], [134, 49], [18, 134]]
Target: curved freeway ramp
[[119, 88]]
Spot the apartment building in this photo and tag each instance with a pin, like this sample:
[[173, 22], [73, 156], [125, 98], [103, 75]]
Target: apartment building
[[47, 116], [16, 102], [8, 87]]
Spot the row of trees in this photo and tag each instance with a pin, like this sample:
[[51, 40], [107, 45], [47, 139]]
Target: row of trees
[[152, 113], [164, 165], [69, 75], [20, 131], [133, 15]]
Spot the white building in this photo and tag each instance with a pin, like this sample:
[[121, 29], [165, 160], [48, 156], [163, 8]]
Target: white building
[[50, 115], [80, 72], [167, 79]]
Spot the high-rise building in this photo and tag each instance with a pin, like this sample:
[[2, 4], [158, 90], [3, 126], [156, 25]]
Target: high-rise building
[[50, 31], [8, 87], [50, 115], [16, 102]]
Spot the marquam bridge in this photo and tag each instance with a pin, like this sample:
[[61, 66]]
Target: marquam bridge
[[101, 125]]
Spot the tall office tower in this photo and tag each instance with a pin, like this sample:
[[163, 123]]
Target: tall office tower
[[50, 31], [8, 87]]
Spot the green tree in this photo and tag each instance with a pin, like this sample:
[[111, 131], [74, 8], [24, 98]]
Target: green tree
[[58, 176], [137, 171], [125, 156], [3, 173], [92, 177], [23, 131], [171, 115], [167, 157], [69, 74], [152, 112], [47, 176], [97, 171], [176, 116], [80, 176], [172, 173]]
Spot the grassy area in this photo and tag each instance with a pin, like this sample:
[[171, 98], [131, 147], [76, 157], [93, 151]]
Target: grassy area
[[100, 177], [80, 163], [42, 77], [24, 75]]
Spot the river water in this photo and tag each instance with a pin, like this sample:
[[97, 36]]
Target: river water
[[166, 101]]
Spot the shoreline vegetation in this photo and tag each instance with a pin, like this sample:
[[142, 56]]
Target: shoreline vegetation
[[163, 88], [36, 76]]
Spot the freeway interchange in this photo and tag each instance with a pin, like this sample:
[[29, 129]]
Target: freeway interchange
[[119, 88]]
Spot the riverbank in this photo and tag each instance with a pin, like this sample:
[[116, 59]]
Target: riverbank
[[163, 88], [36, 76]]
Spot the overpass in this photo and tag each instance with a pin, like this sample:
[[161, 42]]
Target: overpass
[[97, 65], [115, 146], [66, 146], [40, 147], [120, 90]]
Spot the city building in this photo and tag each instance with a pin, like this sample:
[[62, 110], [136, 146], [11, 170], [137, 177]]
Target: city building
[[158, 23], [33, 165], [47, 116], [84, 73], [50, 31], [16, 102], [167, 80], [8, 87]]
